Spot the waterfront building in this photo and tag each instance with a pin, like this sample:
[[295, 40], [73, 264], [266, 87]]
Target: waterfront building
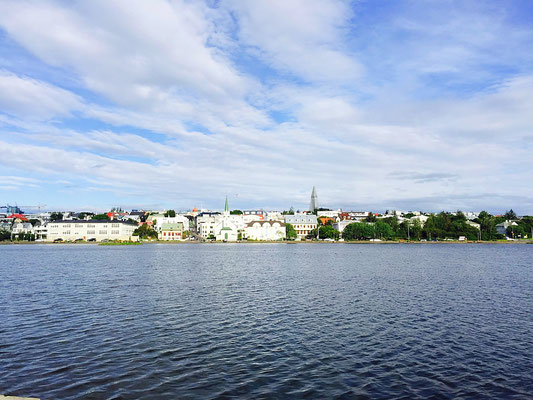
[[159, 220], [342, 224], [91, 230], [21, 228], [205, 224], [502, 227], [135, 215], [302, 223], [474, 225], [221, 226], [227, 226], [420, 218], [313, 204], [265, 230], [171, 231]]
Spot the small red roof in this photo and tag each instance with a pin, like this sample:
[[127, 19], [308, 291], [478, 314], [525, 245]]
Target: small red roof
[[19, 216]]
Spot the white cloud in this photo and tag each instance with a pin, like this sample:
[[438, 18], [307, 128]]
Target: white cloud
[[33, 99], [183, 124], [301, 37]]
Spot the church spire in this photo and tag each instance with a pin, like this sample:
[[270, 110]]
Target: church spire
[[313, 205], [226, 207]]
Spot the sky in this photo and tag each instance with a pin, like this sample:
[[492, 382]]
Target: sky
[[406, 104]]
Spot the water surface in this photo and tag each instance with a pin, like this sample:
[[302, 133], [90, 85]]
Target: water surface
[[267, 321]]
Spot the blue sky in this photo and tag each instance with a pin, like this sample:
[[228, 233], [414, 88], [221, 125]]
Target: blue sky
[[174, 104]]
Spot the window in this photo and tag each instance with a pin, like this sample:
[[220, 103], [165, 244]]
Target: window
[[115, 232], [91, 226], [90, 232], [102, 232], [115, 225]]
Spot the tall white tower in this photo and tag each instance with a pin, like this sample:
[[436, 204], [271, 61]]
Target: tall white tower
[[313, 205]]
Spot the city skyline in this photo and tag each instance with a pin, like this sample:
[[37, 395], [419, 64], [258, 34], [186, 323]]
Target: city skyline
[[175, 104]]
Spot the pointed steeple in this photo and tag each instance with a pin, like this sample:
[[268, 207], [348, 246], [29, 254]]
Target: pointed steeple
[[226, 207], [313, 205]]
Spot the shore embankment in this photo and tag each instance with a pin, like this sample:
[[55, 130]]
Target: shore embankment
[[289, 242]]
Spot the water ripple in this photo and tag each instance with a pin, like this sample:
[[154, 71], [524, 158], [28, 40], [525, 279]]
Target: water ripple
[[273, 321]]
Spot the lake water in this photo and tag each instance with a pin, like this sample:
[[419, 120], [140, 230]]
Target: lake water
[[267, 321]]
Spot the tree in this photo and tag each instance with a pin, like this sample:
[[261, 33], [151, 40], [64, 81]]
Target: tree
[[415, 229], [235, 212], [144, 231], [382, 230], [290, 232], [358, 231], [328, 232], [170, 213], [56, 216], [370, 217], [4, 235], [84, 215], [510, 215], [186, 234], [35, 222], [100, 216]]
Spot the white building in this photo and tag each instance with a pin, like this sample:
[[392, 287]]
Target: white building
[[92, 230], [160, 219], [474, 225], [420, 218], [224, 227], [265, 230], [21, 228], [333, 214], [228, 226], [205, 224], [302, 223], [342, 224]]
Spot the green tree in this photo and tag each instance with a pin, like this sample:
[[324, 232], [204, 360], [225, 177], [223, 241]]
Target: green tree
[[370, 217], [100, 216], [56, 216], [290, 232], [4, 235], [326, 232], [510, 215], [235, 212], [144, 231], [382, 230], [358, 231], [415, 229], [170, 213]]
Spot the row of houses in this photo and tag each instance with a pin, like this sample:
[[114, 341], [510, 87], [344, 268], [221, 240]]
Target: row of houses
[[203, 225]]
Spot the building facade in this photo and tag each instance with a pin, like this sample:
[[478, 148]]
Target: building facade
[[265, 230], [92, 230], [302, 223], [171, 231]]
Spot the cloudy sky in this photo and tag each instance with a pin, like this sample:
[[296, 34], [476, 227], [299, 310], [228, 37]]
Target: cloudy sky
[[174, 104]]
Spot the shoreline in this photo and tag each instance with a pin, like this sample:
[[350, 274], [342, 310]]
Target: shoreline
[[292, 242]]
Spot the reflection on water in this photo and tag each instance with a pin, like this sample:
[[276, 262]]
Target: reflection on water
[[267, 321]]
